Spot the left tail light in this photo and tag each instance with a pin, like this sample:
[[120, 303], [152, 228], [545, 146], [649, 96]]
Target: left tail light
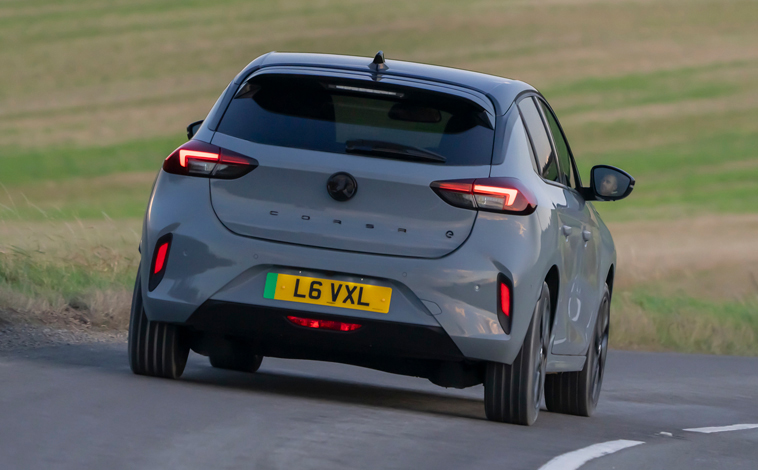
[[160, 260], [505, 195], [196, 158]]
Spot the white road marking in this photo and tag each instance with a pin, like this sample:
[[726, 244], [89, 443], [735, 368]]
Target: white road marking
[[577, 458], [734, 427], [668, 434]]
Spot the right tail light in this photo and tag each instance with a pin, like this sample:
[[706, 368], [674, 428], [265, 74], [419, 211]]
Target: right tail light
[[505, 195]]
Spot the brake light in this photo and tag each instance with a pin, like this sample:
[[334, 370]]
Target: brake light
[[507, 195], [324, 324], [197, 158], [160, 259]]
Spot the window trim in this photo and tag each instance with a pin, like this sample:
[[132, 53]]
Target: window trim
[[577, 176], [531, 95]]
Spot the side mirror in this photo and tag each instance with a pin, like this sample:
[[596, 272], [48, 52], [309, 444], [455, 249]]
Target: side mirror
[[193, 128], [609, 183]]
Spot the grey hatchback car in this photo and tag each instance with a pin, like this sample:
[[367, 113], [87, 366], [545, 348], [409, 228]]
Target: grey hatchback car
[[414, 219]]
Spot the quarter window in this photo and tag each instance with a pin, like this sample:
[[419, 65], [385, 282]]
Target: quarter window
[[543, 151]]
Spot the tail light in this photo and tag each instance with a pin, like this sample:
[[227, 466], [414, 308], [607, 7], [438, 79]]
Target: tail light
[[160, 259], [506, 195], [504, 302], [196, 158], [324, 324]]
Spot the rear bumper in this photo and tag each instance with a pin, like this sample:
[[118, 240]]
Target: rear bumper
[[269, 333], [457, 293]]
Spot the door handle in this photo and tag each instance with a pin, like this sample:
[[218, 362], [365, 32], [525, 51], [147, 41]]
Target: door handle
[[586, 235], [566, 230]]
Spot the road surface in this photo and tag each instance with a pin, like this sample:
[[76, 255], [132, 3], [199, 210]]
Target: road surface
[[79, 407]]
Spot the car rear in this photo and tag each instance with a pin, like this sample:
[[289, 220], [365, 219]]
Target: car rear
[[263, 251]]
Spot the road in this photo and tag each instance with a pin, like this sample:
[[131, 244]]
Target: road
[[79, 407]]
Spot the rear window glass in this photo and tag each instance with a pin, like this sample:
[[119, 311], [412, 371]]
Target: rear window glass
[[362, 118]]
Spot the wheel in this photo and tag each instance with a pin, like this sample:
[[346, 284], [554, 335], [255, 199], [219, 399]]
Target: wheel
[[577, 393], [156, 349], [513, 392], [235, 357]]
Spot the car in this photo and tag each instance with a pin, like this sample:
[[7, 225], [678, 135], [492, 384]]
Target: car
[[410, 218]]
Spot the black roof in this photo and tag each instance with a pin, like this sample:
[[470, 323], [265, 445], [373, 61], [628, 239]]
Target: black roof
[[501, 91]]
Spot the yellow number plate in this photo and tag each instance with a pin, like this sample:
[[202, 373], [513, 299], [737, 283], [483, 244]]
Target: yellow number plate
[[311, 290]]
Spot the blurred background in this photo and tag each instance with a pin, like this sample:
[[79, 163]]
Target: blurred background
[[94, 94]]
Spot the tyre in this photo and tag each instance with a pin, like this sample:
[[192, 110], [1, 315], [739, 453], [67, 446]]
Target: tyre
[[577, 393], [513, 392], [235, 357], [156, 349]]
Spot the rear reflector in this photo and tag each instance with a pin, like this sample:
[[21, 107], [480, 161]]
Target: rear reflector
[[506, 195], [160, 260], [197, 158], [324, 324], [505, 302]]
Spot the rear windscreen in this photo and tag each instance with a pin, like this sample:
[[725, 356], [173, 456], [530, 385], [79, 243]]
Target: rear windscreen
[[360, 117]]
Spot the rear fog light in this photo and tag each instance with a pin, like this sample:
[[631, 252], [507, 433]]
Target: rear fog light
[[323, 324]]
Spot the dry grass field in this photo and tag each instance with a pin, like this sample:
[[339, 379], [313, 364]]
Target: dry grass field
[[94, 94]]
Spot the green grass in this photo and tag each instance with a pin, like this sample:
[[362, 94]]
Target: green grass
[[95, 94], [35, 275], [24, 166], [684, 324]]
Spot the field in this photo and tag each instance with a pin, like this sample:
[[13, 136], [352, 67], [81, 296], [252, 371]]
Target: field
[[94, 94]]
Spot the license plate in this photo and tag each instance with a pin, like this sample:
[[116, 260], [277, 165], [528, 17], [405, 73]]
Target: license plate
[[312, 290]]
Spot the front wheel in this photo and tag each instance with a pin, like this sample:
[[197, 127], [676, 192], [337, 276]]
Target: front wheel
[[156, 349], [513, 392], [577, 393]]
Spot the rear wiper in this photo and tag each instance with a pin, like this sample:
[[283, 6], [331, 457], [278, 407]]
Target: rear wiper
[[393, 150]]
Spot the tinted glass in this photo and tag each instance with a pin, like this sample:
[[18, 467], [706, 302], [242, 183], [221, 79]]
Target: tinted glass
[[350, 116], [561, 146], [542, 148]]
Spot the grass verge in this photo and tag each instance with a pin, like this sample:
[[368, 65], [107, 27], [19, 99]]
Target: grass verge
[[68, 275], [642, 321]]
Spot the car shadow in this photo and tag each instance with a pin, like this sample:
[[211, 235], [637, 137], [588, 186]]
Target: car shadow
[[300, 382], [284, 383]]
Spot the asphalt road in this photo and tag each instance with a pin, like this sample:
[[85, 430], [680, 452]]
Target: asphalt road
[[79, 407]]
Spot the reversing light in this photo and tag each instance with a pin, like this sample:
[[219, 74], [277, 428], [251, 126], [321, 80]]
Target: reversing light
[[197, 158], [324, 324], [507, 195]]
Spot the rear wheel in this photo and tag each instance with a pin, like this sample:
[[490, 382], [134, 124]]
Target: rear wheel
[[513, 392], [577, 393], [156, 349]]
